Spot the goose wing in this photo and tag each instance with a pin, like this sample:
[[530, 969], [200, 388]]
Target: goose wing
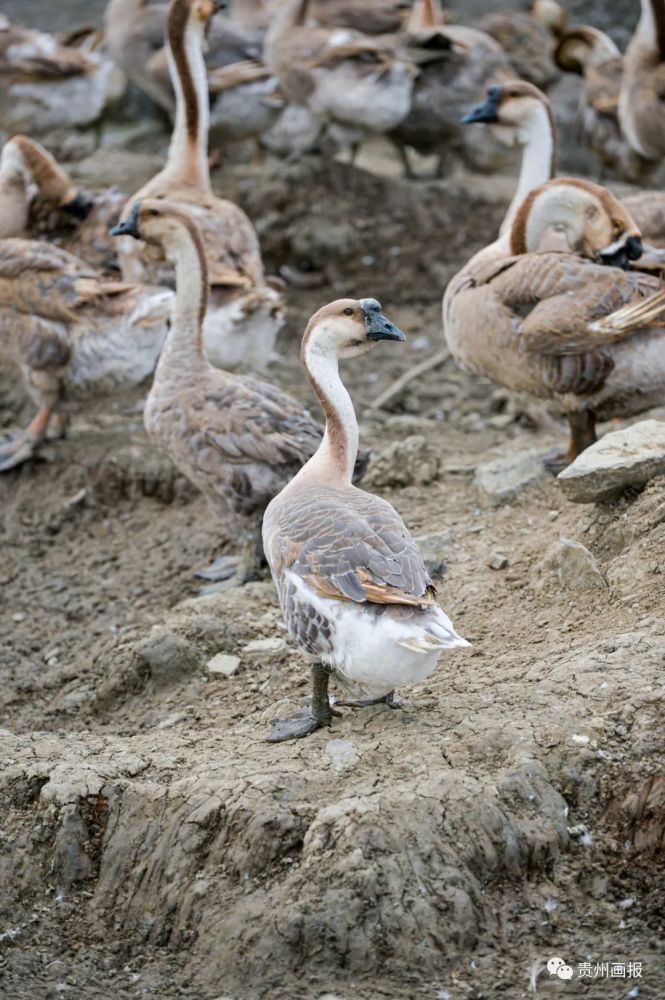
[[566, 311], [348, 545], [47, 282], [245, 420]]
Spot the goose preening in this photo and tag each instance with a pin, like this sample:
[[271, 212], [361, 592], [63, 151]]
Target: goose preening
[[72, 332], [539, 311], [641, 105], [48, 83], [244, 314], [352, 585], [356, 83], [39, 199], [237, 439], [454, 63], [593, 55], [521, 113]]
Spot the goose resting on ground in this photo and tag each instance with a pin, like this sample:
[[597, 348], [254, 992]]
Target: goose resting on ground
[[352, 585], [237, 439], [539, 311]]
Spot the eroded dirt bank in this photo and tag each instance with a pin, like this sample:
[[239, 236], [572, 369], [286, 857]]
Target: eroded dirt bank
[[152, 844]]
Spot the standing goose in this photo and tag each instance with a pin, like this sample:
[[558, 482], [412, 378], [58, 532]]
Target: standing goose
[[134, 34], [72, 332], [455, 63], [244, 314], [594, 56], [528, 38], [237, 439], [357, 83], [642, 97], [538, 311], [521, 113], [38, 199], [352, 585]]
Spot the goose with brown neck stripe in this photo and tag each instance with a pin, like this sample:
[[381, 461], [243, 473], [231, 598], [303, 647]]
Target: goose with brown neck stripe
[[237, 439], [353, 587], [39, 199], [520, 113], [539, 311], [244, 314]]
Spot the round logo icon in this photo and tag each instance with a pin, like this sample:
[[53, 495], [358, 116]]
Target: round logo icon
[[554, 965]]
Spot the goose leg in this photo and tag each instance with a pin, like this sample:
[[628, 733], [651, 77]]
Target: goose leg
[[582, 433], [19, 447], [320, 713], [237, 570]]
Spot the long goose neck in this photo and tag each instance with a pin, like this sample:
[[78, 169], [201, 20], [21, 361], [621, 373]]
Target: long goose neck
[[651, 27], [538, 159], [336, 455], [188, 153], [183, 351]]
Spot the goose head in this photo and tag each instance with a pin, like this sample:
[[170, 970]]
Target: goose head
[[579, 217], [550, 15], [347, 328], [160, 224], [581, 48], [512, 109]]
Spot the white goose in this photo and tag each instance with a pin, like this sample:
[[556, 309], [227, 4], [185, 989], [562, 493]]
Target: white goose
[[353, 587]]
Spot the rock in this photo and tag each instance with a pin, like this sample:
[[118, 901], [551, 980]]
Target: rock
[[573, 566], [168, 656], [223, 664], [628, 457], [265, 647], [434, 549], [497, 560], [343, 754], [403, 463], [504, 479]]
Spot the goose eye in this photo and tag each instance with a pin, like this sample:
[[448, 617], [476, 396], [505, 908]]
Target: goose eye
[[348, 311]]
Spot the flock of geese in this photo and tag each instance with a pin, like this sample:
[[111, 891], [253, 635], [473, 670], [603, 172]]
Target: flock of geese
[[566, 304]]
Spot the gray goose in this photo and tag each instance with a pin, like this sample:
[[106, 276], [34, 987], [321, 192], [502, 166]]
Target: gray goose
[[237, 439], [353, 588]]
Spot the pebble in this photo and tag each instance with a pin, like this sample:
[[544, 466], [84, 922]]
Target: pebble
[[497, 560], [628, 457], [223, 664], [343, 754], [276, 645], [504, 479], [574, 567]]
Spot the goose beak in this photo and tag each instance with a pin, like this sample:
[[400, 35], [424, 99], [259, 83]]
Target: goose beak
[[618, 254], [130, 225], [486, 112], [376, 324]]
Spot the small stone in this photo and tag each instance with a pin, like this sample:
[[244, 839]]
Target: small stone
[[266, 646], [628, 457], [172, 720], [497, 560], [504, 479], [223, 664], [573, 567], [169, 657], [343, 754], [403, 463], [18, 617]]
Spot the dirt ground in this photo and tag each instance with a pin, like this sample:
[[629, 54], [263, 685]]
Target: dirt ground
[[152, 844]]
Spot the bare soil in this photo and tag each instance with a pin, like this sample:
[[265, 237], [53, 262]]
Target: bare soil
[[152, 844]]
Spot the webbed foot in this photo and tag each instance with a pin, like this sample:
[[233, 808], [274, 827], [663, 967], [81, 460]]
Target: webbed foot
[[15, 449], [221, 569], [390, 699], [295, 728]]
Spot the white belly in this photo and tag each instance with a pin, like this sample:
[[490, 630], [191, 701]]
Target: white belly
[[240, 332]]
